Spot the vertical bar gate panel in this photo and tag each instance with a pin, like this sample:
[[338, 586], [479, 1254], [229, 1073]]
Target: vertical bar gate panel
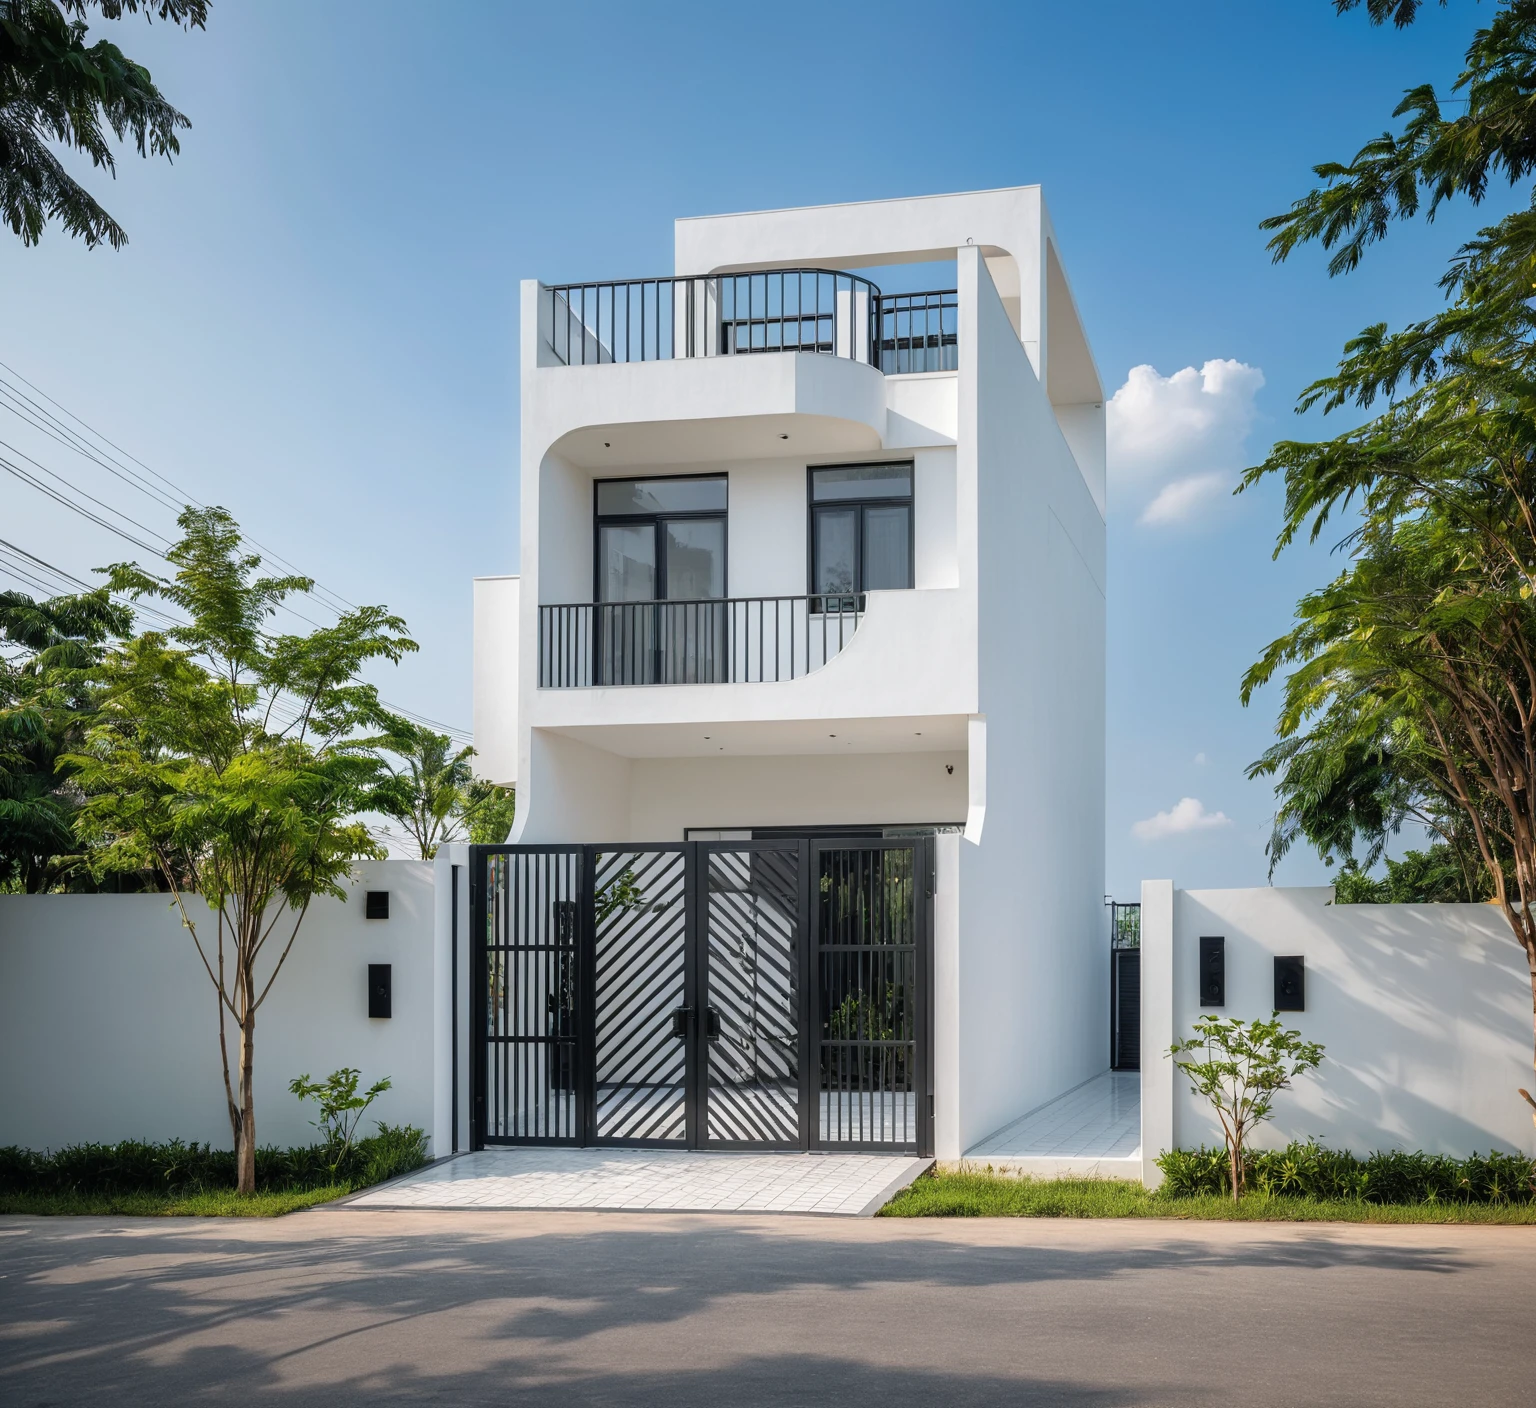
[[641, 995], [1127, 1009], [751, 985], [526, 918], [871, 904]]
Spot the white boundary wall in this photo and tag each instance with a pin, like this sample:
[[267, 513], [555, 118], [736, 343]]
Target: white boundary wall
[[1425, 1011], [109, 1028]]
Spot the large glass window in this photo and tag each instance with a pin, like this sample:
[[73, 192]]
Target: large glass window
[[861, 528], [661, 539], [660, 581]]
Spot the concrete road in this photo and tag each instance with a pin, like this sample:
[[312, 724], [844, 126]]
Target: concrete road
[[336, 1307]]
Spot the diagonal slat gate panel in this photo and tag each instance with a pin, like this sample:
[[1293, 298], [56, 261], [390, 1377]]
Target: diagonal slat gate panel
[[639, 981], [753, 938]]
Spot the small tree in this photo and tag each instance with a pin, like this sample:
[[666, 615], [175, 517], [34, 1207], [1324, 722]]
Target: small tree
[[341, 1107], [1240, 1067], [235, 760]]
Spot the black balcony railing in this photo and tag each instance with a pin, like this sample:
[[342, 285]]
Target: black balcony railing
[[733, 640], [918, 332], [729, 315]]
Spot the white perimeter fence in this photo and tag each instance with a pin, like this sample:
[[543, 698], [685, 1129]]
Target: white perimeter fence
[[1425, 1011]]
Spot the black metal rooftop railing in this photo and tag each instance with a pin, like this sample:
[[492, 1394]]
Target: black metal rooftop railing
[[729, 640], [731, 315]]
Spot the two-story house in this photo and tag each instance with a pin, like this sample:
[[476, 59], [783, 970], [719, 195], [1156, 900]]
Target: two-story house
[[802, 690]]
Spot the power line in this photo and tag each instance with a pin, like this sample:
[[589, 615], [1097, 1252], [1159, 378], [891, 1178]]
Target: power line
[[64, 435], [49, 424]]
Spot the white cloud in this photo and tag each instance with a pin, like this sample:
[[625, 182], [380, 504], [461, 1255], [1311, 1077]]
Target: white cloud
[[1184, 498], [1200, 758], [1189, 814], [1182, 435]]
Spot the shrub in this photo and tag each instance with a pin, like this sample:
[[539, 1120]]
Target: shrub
[[1391, 1176], [134, 1166]]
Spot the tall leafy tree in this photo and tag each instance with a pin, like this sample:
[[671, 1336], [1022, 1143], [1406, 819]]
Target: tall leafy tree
[[235, 760], [48, 650], [429, 790], [57, 88], [1413, 675], [489, 810]]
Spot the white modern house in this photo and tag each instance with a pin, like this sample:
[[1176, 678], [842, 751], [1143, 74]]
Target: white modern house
[[802, 690]]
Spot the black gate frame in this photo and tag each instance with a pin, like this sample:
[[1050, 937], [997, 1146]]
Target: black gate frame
[[696, 872]]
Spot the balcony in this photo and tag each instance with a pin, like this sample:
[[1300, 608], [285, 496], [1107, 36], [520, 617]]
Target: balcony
[[732, 315], [731, 640]]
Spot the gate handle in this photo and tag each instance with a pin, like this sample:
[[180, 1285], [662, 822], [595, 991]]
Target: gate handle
[[711, 1024], [682, 1017]]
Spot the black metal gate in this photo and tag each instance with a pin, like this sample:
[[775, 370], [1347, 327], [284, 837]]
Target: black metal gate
[[722, 995], [1125, 987]]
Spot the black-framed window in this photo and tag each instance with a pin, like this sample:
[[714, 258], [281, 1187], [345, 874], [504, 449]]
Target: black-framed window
[[660, 539], [861, 528]]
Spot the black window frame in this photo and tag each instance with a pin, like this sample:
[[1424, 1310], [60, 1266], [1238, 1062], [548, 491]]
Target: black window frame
[[656, 520], [886, 501]]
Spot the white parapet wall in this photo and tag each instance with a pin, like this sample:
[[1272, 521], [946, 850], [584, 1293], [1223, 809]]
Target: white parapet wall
[[1424, 1011], [109, 1026]]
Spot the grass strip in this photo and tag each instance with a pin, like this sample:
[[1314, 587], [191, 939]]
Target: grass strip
[[222, 1202], [987, 1194]]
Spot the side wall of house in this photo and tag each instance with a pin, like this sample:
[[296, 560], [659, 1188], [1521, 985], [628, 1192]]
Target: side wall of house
[[109, 1028], [1424, 1012], [1033, 965]]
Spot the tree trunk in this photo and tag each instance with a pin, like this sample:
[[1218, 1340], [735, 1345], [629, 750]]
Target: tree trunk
[[1235, 1159], [1530, 963], [245, 1145]]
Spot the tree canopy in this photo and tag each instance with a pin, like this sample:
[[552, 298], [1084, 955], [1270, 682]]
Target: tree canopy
[[48, 651], [1410, 679], [56, 87]]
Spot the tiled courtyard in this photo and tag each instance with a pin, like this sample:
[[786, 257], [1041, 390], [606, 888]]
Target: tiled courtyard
[[650, 1180]]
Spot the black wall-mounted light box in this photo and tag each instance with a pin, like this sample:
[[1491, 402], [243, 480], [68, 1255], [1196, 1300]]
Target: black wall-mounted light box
[[1213, 972], [377, 905], [380, 989], [1290, 983]]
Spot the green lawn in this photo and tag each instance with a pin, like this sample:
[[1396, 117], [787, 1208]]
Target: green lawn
[[985, 1194], [221, 1203]]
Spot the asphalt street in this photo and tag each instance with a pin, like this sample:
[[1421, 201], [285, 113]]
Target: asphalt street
[[339, 1307]]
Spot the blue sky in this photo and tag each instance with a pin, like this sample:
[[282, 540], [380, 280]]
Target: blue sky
[[315, 320]]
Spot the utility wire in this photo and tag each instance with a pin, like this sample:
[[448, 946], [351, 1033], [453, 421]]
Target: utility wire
[[68, 437], [36, 415]]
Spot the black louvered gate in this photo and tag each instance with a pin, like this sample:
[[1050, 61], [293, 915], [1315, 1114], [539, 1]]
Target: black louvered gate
[[723, 995]]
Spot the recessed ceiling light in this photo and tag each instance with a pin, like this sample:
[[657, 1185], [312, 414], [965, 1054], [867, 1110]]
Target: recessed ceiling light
[[606, 445], [783, 437]]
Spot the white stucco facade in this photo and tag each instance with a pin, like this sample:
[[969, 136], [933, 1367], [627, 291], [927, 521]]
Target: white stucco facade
[[972, 701]]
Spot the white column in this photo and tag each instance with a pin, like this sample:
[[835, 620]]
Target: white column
[[1157, 1073], [946, 998]]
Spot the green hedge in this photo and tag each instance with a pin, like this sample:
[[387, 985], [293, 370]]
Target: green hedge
[[1311, 1171], [136, 1167]]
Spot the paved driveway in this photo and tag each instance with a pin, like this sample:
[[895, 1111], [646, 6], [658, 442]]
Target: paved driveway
[[338, 1308], [653, 1180]]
